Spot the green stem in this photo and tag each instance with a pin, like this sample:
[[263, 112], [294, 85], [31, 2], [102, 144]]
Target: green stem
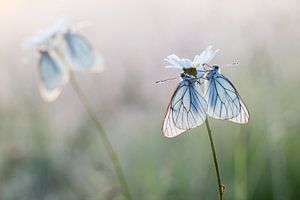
[[108, 146], [220, 186]]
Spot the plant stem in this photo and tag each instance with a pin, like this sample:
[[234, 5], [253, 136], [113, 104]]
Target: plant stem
[[220, 186], [108, 146]]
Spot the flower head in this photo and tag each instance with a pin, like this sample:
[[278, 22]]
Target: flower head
[[178, 63], [47, 37], [195, 67], [204, 58]]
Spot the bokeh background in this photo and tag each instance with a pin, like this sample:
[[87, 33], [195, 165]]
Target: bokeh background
[[51, 151]]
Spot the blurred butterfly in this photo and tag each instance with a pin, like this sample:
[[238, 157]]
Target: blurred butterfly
[[80, 53], [224, 101], [187, 108], [52, 75], [61, 51]]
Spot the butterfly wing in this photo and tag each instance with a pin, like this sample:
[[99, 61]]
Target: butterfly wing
[[51, 76], [169, 128], [243, 117], [80, 53], [187, 109], [223, 100]]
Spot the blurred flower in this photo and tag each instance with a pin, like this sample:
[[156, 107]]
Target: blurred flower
[[47, 37], [61, 50]]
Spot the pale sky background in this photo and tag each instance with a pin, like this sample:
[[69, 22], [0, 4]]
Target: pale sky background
[[134, 37]]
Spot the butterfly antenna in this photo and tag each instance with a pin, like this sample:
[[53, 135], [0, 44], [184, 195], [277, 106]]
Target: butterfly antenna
[[81, 24], [231, 65], [207, 66], [169, 79]]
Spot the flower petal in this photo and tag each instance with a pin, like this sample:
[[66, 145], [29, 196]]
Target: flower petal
[[206, 56], [45, 37], [178, 63]]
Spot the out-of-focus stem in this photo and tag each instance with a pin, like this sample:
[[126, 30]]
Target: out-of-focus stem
[[108, 146]]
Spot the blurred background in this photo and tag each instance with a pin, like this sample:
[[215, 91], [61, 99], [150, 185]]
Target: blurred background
[[51, 151]]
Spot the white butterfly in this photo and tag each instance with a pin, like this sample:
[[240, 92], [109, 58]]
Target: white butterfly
[[189, 108], [81, 54], [52, 75], [224, 101]]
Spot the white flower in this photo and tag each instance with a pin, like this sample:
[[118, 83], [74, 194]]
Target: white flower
[[206, 56], [182, 63], [178, 63]]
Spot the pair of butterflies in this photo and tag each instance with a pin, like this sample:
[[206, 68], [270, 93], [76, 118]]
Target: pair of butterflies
[[189, 107], [61, 51]]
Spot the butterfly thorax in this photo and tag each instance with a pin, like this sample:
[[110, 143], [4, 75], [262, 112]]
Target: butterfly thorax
[[213, 72], [186, 77]]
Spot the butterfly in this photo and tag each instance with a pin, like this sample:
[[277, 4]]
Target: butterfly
[[80, 53], [224, 101], [187, 108], [52, 75], [62, 50]]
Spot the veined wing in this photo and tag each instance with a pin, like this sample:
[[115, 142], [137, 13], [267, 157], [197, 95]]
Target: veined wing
[[224, 101], [243, 117], [52, 75], [186, 110], [81, 54], [169, 128]]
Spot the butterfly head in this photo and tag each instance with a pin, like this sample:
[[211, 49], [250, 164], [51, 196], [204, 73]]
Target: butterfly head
[[212, 72], [186, 76], [215, 67]]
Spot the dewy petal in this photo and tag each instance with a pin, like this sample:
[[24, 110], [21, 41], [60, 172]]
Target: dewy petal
[[206, 56], [178, 63], [52, 76]]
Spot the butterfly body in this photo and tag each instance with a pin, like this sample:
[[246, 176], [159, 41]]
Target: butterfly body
[[224, 101], [187, 108]]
